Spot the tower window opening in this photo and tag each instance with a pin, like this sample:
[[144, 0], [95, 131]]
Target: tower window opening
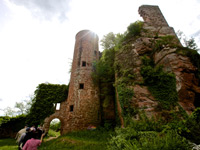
[[83, 63], [95, 53], [71, 108], [81, 86]]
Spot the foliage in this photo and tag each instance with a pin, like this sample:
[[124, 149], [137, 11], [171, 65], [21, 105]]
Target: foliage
[[21, 107], [125, 95], [8, 144], [188, 43], [108, 41], [164, 41], [161, 84], [55, 125], [147, 124], [129, 138], [191, 127], [9, 112], [11, 125], [134, 30], [112, 40], [193, 55], [125, 79], [83, 140], [191, 44], [115, 41], [53, 133], [45, 96], [104, 77]]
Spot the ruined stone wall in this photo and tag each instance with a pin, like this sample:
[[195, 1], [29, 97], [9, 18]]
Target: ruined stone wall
[[152, 15], [155, 21]]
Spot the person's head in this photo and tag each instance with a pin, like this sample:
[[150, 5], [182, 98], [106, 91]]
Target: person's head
[[34, 135]]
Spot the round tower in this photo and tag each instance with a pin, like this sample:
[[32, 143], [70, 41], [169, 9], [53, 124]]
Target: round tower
[[83, 100]]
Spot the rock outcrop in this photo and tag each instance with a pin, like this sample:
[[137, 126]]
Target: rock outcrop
[[187, 84]]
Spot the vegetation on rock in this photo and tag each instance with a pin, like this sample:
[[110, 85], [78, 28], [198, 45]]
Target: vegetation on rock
[[161, 84]]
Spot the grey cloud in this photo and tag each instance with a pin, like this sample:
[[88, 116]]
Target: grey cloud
[[46, 9], [5, 14], [196, 34]]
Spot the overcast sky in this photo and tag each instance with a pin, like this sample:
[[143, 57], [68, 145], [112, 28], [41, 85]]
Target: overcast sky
[[37, 36]]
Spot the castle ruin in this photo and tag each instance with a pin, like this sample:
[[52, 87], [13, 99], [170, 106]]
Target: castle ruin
[[82, 107]]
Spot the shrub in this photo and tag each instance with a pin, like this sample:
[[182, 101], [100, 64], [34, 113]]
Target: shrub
[[11, 125], [133, 30], [130, 139], [164, 41], [191, 127], [125, 94]]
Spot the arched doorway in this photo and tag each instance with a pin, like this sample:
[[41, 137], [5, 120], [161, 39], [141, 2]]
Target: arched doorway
[[55, 123], [54, 128]]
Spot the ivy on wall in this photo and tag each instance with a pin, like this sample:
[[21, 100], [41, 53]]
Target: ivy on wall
[[104, 77], [45, 96], [161, 84]]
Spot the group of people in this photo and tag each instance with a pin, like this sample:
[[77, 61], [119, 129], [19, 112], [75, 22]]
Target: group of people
[[29, 138]]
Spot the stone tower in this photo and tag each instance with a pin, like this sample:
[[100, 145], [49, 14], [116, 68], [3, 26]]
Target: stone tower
[[83, 99], [82, 107]]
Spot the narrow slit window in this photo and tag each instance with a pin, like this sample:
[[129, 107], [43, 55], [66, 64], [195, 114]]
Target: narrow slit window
[[95, 53], [81, 86], [71, 108], [83, 63]]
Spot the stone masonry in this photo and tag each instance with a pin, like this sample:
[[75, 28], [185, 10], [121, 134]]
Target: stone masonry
[[82, 106], [155, 21]]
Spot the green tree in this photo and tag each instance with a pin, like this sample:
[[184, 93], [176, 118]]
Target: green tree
[[187, 43], [21, 107], [108, 41], [8, 111], [191, 43]]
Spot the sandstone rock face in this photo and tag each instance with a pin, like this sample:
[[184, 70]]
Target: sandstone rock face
[[187, 85], [186, 82], [143, 100]]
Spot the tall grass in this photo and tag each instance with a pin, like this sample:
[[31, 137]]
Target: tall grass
[[8, 144]]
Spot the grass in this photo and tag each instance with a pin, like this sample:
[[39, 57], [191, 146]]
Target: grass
[[8, 144], [53, 133], [80, 140]]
